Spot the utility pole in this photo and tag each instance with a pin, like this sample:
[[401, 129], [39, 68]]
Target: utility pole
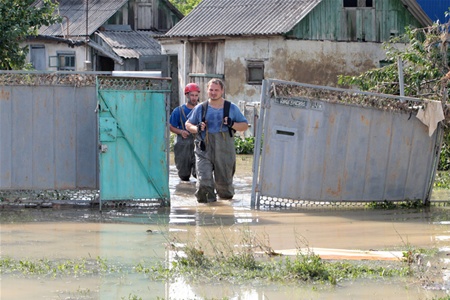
[[87, 62]]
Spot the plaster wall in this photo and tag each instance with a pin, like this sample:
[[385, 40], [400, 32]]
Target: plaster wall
[[313, 62]]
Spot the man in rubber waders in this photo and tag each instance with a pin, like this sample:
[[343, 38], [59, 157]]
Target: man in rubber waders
[[184, 144], [214, 123]]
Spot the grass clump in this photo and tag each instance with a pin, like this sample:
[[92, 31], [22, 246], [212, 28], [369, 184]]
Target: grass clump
[[442, 180]]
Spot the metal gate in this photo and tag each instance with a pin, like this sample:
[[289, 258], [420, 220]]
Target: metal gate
[[48, 136], [328, 144], [133, 139]]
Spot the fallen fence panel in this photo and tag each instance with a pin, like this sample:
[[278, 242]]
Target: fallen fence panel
[[329, 144]]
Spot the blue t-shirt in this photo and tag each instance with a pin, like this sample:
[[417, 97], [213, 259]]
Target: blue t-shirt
[[177, 118], [214, 117]]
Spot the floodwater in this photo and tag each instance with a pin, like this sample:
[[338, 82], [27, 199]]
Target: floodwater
[[127, 237]]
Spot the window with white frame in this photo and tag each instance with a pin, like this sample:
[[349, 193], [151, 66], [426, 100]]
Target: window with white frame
[[63, 61]]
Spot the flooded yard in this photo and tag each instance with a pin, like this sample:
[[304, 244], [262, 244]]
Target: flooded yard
[[128, 237]]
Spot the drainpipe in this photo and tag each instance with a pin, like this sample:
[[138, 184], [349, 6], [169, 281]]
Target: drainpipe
[[185, 69], [67, 26]]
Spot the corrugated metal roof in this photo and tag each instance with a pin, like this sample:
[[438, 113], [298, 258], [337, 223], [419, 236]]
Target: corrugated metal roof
[[131, 44], [242, 17], [416, 10], [74, 11], [255, 17]]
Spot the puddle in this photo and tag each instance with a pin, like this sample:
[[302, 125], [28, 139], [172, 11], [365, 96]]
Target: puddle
[[130, 236]]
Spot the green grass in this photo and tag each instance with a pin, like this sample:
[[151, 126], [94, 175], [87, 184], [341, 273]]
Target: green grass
[[442, 180], [46, 267]]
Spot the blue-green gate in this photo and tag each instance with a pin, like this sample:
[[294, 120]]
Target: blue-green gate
[[133, 139]]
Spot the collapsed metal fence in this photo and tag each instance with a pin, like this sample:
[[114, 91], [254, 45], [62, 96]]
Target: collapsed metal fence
[[325, 146]]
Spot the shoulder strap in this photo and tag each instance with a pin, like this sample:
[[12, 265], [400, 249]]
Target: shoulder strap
[[226, 113], [181, 118], [204, 109], [226, 108]]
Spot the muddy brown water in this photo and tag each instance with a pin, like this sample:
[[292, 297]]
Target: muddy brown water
[[129, 236]]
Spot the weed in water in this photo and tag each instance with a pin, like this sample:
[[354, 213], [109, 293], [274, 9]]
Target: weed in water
[[407, 204], [52, 268], [131, 297], [307, 267]]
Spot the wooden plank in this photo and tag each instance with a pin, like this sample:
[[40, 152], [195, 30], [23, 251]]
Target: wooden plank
[[343, 254]]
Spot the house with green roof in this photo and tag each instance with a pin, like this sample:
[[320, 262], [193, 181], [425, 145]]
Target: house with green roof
[[308, 41]]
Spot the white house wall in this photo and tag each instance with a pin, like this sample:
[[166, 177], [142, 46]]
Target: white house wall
[[52, 49]]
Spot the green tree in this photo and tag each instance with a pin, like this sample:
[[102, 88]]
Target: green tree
[[424, 53], [185, 6], [425, 58], [18, 20]]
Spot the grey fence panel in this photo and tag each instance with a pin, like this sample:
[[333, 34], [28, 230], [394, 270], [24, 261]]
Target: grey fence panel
[[48, 131], [42, 137], [22, 137], [5, 136], [320, 149], [65, 136], [86, 136]]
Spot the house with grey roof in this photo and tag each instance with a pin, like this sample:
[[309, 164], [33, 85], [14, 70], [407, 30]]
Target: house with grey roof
[[104, 35], [308, 41]]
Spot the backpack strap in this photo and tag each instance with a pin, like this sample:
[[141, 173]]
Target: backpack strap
[[204, 109], [226, 113], [182, 114]]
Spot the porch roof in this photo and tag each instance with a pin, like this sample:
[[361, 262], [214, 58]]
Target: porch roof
[[130, 43], [74, 17]]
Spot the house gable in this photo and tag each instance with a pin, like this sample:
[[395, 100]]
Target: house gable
[[372, 21], [304, 19]]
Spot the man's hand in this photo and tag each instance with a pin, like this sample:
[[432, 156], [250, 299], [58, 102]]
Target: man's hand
[[185, 133], [201, 126], [228, 121]]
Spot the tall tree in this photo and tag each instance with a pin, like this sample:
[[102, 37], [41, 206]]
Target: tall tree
[[185, 6], [424, 56], [19, 19], [425, 59]]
